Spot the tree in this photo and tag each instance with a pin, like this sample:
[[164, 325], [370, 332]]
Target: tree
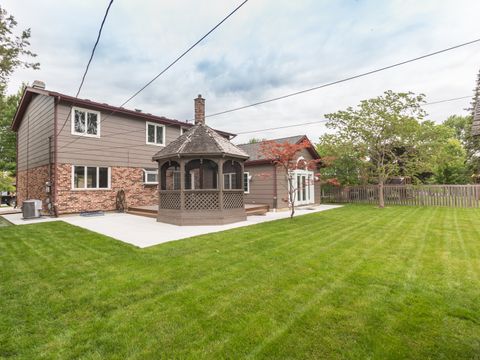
[[345, 165], [285, 156], [6, 181], [383, 130], [8, 106], [13, 48], [255, 140]]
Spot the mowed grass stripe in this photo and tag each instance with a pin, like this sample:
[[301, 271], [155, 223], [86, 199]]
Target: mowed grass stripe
[[355, 282]]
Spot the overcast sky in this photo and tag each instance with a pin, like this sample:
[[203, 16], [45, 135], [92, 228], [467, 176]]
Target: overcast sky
[[268, 48]]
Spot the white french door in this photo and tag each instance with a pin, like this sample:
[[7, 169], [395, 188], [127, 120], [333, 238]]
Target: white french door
[[303, 183]]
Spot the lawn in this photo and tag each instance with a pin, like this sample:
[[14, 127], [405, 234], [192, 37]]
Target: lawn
[[355, 282]]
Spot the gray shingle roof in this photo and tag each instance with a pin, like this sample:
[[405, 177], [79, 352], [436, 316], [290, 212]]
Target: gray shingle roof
[[476, 119], [253, 150], [200, 140]]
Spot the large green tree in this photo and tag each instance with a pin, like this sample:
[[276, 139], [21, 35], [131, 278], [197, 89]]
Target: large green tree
[[14, 54], [384, 131]]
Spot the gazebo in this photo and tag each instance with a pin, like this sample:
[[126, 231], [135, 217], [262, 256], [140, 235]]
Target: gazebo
[[200, 176]]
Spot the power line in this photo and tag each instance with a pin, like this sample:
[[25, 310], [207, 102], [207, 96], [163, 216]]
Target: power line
[[243, 132], [171, 64], [345, 79], [89, 62], [322, 121]]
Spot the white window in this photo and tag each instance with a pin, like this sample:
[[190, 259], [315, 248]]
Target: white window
[[85, 122], [183, 131], [229, 181], [90, 177], [150, 176], [246, 182], [155, 134]]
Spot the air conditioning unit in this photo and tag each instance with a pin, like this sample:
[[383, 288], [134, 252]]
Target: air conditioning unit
[[31, 209]]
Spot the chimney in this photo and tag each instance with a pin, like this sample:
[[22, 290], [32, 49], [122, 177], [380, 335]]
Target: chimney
[[199, 110], [37, 84]]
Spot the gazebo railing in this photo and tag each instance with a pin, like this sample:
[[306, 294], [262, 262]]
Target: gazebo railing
[[201, 199]]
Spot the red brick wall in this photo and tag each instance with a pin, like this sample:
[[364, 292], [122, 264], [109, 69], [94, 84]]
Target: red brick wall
[[126, 178], [31, 185]]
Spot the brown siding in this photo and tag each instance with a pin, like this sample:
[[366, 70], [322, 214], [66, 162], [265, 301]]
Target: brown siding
[[33, 133], [110, 149], [261, 185]]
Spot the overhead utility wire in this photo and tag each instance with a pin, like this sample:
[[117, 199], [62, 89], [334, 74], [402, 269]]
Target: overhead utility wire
[[89, 62], [345, 79], [239, 133], [171, 64]]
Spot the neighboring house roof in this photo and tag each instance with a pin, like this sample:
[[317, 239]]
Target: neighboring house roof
[[30, 92], [256, 156], [200, 140], [476, 119]]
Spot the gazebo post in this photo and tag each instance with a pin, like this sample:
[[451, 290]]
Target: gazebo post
[[220, 183], [182, 184]]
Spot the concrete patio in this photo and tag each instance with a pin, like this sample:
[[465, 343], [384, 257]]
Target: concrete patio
[[144, 232]]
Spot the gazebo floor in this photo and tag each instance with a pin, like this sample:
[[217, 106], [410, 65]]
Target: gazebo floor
[[152, 210]]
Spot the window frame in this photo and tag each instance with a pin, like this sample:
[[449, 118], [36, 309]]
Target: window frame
[[247, 174], [85, 171], [147, 123], [145, 177], [86, 111]]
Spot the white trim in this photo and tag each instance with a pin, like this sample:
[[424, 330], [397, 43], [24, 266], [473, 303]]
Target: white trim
[[85, 188], [163, 133], [145, 173], [86, 111], [183, 130], [310, 186], [246, 173]]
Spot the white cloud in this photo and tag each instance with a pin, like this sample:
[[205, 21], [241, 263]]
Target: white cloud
[[269, 48]]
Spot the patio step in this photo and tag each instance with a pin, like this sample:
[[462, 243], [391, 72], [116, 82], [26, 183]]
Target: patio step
[[142, 212], [256, 209]]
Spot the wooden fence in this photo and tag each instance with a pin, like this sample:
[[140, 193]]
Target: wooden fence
[[461, 196]]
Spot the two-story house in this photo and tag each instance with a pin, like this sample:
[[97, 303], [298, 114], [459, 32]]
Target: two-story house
[[76, 155]]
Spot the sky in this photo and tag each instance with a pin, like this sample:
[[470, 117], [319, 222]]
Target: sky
[[268, 48]]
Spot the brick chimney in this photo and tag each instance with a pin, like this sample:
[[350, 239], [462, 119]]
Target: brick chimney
[[199, 110]]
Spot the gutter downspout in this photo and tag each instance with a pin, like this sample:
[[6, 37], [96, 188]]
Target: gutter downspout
[[16, 169], [55, 156]]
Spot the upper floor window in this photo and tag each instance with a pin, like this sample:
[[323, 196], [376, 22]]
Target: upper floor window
[[183, 130], [85, 122], [155, 134]]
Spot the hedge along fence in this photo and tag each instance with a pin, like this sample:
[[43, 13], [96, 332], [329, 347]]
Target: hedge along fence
[[461, 196]]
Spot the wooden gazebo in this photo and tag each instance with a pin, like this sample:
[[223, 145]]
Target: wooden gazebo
[[200, 177]]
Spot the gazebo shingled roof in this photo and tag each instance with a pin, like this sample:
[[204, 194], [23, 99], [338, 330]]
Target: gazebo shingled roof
[[200, 140]]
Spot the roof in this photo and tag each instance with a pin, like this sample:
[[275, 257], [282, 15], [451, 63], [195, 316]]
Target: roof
[[476, 119], [30, 92], [255, 153], [200, 140]]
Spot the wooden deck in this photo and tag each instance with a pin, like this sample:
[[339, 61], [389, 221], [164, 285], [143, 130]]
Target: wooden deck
[[152, 210]]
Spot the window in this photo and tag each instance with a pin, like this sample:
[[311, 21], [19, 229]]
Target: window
[[155, 134], [176, 180], [90, 177], [246, 182], [151, 176], [85, 122], [229, 181], [183, 131]]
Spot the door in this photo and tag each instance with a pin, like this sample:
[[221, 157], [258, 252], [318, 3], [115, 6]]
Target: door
[[304, 187]]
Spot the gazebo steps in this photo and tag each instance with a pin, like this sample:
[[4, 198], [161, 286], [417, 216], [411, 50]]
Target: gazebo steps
[[256, 209], [148, 211]]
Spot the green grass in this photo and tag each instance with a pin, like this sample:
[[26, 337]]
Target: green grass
[[3, 222], [351, 283]]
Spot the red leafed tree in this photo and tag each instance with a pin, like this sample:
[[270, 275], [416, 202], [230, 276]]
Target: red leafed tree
[[285, 155]]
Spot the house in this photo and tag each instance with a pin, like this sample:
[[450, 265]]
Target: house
[[77, 155], [266, 183]]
